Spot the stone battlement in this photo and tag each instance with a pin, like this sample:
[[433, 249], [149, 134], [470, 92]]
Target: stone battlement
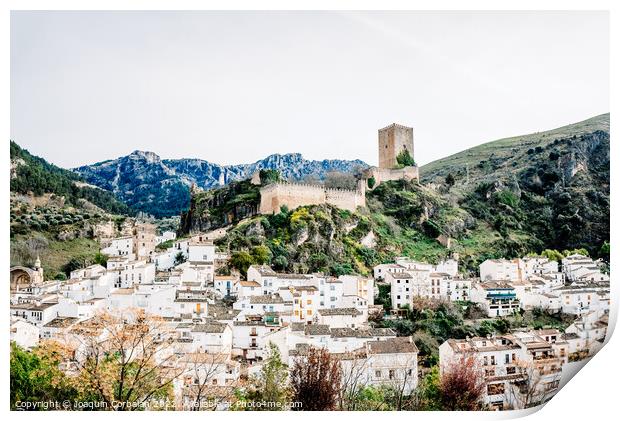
[[293, 195], [394, 126]]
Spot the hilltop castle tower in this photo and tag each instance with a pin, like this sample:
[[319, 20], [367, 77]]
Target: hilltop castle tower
[[393, 140]]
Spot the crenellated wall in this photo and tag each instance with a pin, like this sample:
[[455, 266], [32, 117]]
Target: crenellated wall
[[293, 195]]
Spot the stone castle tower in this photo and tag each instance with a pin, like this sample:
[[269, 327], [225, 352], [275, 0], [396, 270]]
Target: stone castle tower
[[393, 139]]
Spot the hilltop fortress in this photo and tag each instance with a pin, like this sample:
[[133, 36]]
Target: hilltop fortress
[[395, 144]]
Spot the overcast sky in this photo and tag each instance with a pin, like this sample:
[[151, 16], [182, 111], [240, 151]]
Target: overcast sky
[[234, 87]]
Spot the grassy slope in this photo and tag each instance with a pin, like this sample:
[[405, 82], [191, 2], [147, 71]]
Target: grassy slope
[[505, 148], [54, 253]]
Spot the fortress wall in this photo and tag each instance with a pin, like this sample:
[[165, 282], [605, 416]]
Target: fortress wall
[[381, 175], [345, 199], [293, 195]]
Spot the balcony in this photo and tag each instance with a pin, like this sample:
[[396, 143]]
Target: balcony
[[556, 370], [546, 358]]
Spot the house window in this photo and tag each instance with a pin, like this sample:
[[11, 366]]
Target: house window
[[507, 358], [511, 370], [552, 385], [391, 374], [378, 374], [486, 360], [495, 389]]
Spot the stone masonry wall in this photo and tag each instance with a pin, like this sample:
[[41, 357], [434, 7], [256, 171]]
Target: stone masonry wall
[[381, 175], [293, 195]]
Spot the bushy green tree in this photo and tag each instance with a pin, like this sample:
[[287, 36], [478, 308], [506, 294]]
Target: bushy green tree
[[605, 251], [552, 255], [100, 259], [74, 263], [270, 387], [369, 398], [280, 262], [241, 260], [268, 176], [404, 159], [179, 258], [261, 255], [428, 393], [35, 376]]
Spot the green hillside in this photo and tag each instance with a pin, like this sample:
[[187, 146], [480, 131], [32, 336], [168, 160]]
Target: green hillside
[[552, 186], [508, 150], [54, 215], [31, 174]]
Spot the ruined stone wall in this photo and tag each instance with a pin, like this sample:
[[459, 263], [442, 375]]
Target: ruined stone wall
[[293, 195], [392, 140]]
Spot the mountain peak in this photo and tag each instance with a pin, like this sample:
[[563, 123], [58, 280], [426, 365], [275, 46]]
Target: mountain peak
[[149, 156]]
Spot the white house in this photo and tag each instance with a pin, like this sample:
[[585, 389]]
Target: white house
[[201, 252], [331, 292], [497, 298], [224, 284], [510, 361], [379, 271], [393, 363], [500, 270], [23, 333], [212, 337], [37, 313], [165, 236], [342, 317], [120, 246]]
